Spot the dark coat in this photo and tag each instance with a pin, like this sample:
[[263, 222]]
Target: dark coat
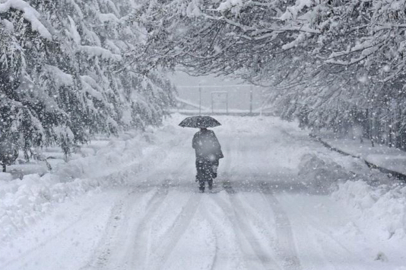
[[206, 145]]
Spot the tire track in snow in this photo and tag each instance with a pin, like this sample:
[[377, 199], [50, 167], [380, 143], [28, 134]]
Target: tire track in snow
[[286, 244], [244, 233], [81, 218], [212, 223], [174, 234], [123, 235], [103, 252], [326, 243], [130, 231], [140, 252]]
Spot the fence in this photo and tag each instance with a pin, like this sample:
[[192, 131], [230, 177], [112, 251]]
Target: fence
[[225, 99]]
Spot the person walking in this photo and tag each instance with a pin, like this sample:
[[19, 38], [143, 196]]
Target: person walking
[[208, 153]]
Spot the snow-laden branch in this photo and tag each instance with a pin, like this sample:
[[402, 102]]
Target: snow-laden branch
[[93, 51], [29, 13]]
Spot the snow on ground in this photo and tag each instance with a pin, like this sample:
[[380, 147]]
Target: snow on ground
[[24, 201], [384, 156], [282, 201]]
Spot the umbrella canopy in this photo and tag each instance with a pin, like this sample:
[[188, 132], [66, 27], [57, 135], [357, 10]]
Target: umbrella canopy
[[199, 122]]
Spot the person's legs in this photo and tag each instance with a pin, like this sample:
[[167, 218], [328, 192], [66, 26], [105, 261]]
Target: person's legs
[[197, 170], [201, 186], [210, 182], [208, 172], [200, 168], [204, 169], [214, 167]]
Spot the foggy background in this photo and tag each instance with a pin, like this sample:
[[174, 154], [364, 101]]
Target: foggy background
[[238, 91]]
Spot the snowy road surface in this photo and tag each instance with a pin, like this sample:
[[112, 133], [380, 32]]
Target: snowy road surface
[[261, 214]]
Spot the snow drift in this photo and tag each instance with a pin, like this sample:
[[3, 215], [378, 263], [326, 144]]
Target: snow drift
[[23, 202], [380, 209]]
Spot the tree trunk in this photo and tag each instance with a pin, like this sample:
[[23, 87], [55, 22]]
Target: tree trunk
[[4, 167], [372, 129], [390, 135], [398, 138], [368, 125]]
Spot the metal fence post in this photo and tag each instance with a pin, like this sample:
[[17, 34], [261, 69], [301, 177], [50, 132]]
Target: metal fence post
[[200, 99]]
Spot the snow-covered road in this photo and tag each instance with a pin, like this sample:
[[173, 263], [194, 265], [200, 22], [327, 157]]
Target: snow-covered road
[[265, 212]]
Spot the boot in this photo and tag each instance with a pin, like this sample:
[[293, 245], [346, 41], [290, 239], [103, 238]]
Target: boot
[[210, 184], [201, 186]]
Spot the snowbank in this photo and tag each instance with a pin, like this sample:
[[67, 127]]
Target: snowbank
[[381, 209], [320, 172], [5, 177], [23, 202]]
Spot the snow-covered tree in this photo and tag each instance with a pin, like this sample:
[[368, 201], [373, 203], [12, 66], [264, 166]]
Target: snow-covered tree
[[62, 76], [332, 62]]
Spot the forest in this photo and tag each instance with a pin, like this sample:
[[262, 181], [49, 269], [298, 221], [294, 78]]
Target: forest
[[70, 69], [101, 168], [64, 77], [336, 64]]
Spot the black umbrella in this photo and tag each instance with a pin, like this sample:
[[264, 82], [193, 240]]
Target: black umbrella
[[199, 122]]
